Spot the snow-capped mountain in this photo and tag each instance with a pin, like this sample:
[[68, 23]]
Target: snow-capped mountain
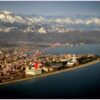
[[9, 17], [10, 21]]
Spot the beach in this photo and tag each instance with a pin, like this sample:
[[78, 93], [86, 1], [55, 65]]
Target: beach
[[51, 73]]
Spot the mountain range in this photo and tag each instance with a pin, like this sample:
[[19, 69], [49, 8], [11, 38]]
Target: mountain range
[[18, 27], [10, 21]]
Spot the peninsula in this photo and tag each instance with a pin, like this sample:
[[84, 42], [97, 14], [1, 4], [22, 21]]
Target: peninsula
[[17, 66]]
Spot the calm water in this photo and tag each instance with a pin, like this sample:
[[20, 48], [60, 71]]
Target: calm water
[[80, 83], [82, 49]]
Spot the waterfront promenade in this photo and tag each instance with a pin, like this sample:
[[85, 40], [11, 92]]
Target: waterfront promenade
[[51, 73]]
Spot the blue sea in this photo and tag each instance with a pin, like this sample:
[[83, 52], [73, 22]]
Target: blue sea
[[78, 84]]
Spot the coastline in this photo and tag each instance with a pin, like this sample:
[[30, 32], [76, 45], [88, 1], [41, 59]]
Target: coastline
[[47, 74]]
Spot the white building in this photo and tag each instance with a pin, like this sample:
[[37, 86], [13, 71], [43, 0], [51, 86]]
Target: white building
[[33, 71], [74, 58], [63, 59], [73, 61], [70, 63]]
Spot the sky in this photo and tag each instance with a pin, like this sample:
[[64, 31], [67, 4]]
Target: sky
[[52, 8]]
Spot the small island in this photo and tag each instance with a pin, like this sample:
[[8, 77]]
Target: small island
[[16, 65]]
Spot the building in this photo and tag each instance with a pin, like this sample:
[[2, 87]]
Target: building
[[46, 69], [72, 61], [56, 65], [33, 71]]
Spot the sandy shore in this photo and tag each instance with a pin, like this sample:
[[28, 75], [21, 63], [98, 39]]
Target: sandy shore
[[47, 74]]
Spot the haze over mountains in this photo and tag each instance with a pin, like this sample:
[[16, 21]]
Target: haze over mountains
[[38, 28]]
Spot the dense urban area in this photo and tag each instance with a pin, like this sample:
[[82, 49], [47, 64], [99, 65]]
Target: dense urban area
[[15, 64]]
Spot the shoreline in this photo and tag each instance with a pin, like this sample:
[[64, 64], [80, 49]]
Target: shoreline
[[52, 73]]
